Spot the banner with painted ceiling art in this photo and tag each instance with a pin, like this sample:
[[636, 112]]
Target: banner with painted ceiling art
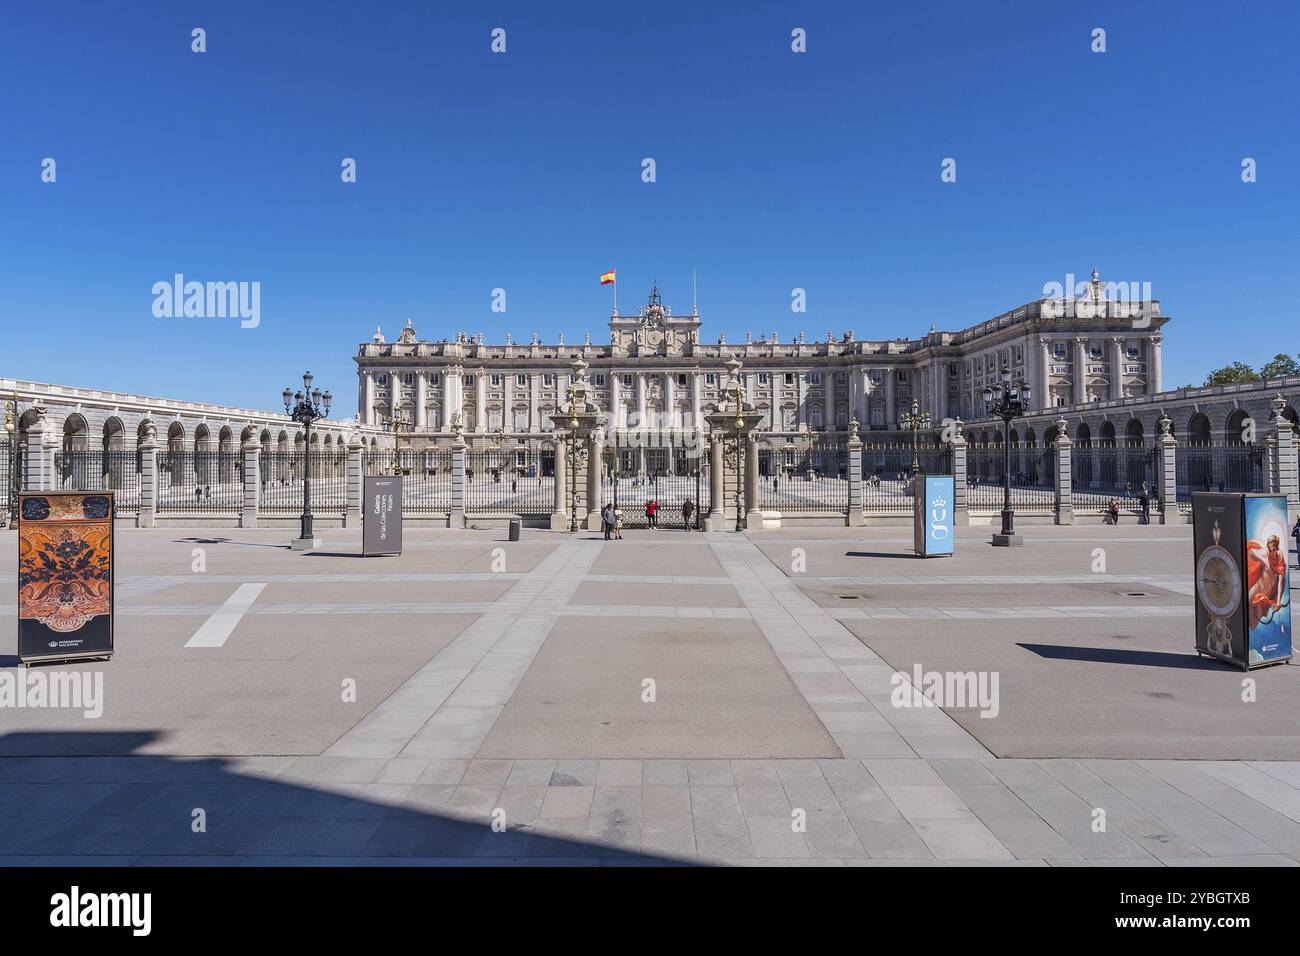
[[65, 575], [1268, 590]]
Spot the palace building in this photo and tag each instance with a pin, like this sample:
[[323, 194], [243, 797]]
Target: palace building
[[658, 372]]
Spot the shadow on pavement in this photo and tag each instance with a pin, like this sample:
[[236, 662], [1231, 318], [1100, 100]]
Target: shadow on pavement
[[1110, 655], [911, 556], [143, 809]]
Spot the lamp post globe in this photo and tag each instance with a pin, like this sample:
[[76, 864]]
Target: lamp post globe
[[306, 407], [1007, 401]]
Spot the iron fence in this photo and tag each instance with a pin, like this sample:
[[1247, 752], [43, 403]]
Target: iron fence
[[92, 469], [11, 458], [803, 476], [1033, 479], [1217, 468], [510, 479], [280, 474], [426, 476], [887, 473], [631, 492], [200, 482], [1109, 473]]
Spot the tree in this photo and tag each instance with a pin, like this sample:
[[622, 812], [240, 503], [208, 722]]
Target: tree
[[1281, 366], [1234, 374]]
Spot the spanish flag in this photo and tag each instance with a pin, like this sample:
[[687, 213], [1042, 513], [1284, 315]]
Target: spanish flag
[[607, 278]]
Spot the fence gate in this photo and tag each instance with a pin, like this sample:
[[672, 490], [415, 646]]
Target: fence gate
[[673, 476]]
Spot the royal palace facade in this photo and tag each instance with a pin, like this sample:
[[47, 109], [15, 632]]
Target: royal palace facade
[[657, 372]]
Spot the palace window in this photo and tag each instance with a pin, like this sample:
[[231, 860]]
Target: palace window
[[494, 381], [382, 380], [434, 378], [521, 381], [627, 381], [469, 379], [789, 378], [408, 378], [762, 378], [681, 381], [1058, 349], [814, 378], [902, 377], [548, 381], [600, 380], [710, 379], [952, 369], [839, 378]]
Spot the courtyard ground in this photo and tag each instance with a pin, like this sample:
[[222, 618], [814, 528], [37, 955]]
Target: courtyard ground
[[674, 697]]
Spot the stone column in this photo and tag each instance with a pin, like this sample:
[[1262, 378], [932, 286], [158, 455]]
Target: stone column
[[960, 512], [1080, 370], [855, 518], [356, 469], [670, 405], [1154, 371], [250, 450], [535, 403], [394, 391], [1064, 488], [1117, 367], [716, 519], [1168, 472], [368, 397], [595, 448], [829, 391], [559, 511], [1044, 373], [615, 399], [801, 401], [480, 399], [459, 454], [508, 402], [642, 400], [448, 398], [697, 400], [148, 480], [421, 399], [891, 413]]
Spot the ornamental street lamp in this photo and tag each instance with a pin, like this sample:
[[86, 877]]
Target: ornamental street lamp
[[738, 396], [1008, 402], [395, 424], [573, 452], [914, 420], [305, 407]]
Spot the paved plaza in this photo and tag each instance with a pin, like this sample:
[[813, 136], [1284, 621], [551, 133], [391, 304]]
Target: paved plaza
[[670, 698]]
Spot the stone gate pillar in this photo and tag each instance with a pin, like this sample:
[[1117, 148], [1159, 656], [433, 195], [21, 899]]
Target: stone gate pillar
[[855, 518], [459, 457], [559, 510], [1168, 471], [1064, 484], [356, 448], [38, 467], [753, 516], [252, 483], [715, 520], [595, 449], [148, 516], [1287, 466], [960, 512]]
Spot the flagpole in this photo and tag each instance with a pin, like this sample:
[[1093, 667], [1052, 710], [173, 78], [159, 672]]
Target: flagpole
[[615, 292]]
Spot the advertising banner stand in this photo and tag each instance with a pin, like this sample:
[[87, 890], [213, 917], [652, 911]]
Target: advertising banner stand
[[932, 522], [381, 515], [1243, 595], [65, 576]]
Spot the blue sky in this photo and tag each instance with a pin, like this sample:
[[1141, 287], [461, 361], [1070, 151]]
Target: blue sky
[[523, 171]]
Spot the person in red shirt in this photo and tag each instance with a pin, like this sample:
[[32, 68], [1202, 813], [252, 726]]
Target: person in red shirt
[[651, 513]]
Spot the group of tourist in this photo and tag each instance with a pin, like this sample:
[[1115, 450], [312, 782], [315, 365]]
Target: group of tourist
[[611, 518]]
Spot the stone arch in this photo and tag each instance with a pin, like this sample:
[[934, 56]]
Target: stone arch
[[1134, 435], [1198, 431], [76, 433], [1108, 434], [1234, 427], [1083, 436]]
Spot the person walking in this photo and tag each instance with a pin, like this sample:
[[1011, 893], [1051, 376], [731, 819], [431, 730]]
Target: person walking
[[1112, 513], [688, 510], [1144, 500], [607, 521], [618, 524], [1295, 533], [651, 511]]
